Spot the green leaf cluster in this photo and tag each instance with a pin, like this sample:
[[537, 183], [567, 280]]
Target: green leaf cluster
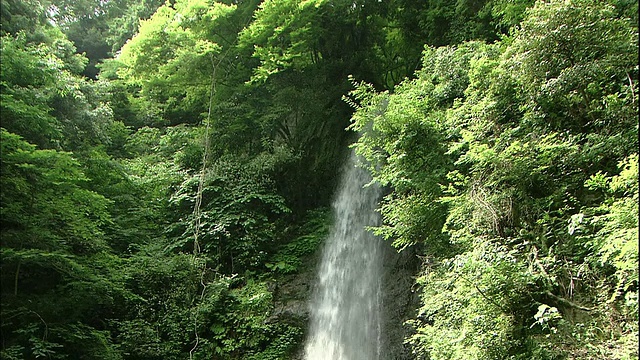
[[503, 160]]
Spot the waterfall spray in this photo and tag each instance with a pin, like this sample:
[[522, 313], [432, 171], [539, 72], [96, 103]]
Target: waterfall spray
[[346, 307]]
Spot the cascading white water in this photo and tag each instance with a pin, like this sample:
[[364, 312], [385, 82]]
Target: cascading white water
[[346, 307]]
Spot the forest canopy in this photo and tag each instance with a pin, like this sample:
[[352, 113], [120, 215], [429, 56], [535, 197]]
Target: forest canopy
[[168, 167]]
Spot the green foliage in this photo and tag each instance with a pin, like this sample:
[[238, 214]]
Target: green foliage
[[510, 135], [45, 101], [509, 162], [393, 131], [571, 75], [181, 309], [616, 240], [25, 75], [172, 54], [469, 303], [157, 318], [283, 36], [291, 255], [19, 16], [123, 19], [239, 209], [43, 202], [53, 255]]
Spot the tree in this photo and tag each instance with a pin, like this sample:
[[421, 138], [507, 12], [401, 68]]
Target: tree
[[56, 267], [525, 124]]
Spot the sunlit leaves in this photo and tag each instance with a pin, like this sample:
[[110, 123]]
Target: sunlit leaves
[[617, 240], [175, 57], [172, 35], [522, 124], [567, 69], [466, 303], [284, 35]]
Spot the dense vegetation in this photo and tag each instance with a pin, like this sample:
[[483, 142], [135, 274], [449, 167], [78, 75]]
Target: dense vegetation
[[163, 165]]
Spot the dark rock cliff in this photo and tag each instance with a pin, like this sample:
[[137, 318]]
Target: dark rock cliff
[[399, 300]]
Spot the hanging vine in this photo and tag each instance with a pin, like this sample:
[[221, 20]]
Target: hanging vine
[[198, 203]]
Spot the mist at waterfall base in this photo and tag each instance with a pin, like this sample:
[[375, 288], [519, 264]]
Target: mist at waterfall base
[[346, 319]]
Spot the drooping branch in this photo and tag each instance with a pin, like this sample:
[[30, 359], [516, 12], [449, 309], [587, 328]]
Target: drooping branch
[[566, 302]]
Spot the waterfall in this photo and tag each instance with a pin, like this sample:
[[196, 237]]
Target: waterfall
[[346, 307]]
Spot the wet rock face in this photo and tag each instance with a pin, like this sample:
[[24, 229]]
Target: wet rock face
[[291, 295], [399, 301]]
